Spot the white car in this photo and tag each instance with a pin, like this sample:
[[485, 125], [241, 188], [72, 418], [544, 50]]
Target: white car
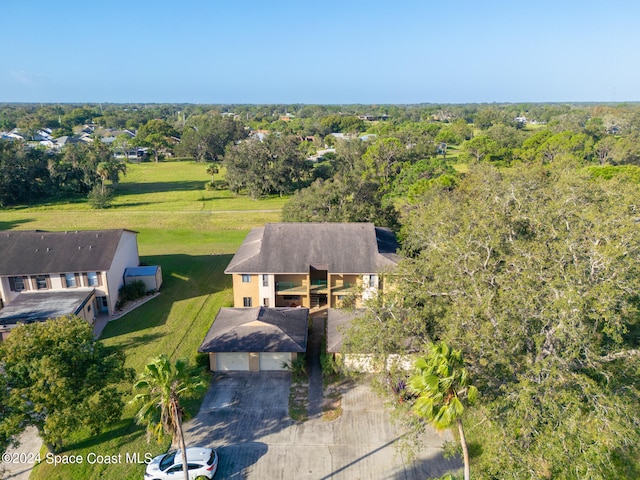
[[202, 463]]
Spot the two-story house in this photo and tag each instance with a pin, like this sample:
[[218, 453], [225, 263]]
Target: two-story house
[[313, 265], [48, 272]]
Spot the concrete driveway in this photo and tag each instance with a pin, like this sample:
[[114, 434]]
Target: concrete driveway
[[245, 417]]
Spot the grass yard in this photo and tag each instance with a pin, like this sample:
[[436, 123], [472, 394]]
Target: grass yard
[[192, 233]]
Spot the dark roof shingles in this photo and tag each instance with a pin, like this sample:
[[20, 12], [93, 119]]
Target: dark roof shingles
[[293, 247], [258, 329], [40, 306], [37, 252]]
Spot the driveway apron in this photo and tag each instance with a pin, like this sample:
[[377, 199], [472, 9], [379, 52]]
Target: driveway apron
[[245, 417]]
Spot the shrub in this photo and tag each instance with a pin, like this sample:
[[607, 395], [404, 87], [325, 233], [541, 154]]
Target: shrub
[[100, 199], [328, 364], [132, 291], [298, 366]]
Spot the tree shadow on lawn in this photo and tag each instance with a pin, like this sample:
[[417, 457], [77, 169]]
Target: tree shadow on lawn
[[117, 206], [10, 225], [184, 277], [125, 430], [156, 187], [138, 340]]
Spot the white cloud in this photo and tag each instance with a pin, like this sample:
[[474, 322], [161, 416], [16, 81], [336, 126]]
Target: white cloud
[[25, 79]]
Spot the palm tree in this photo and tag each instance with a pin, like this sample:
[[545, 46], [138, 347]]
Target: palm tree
[[212, 169], [164, 384], [444, 388], [103, 171]]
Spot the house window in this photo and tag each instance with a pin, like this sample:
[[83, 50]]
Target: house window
[[70, 280], [265, 302], [265, 280], [246, 278], [42, 282], [246, 301], [18, 284], [92, 279], [372, 281]]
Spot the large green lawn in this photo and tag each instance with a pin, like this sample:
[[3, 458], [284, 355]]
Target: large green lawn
[[192, 234]]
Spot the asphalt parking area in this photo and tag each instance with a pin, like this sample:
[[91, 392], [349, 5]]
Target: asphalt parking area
[[245, 417]]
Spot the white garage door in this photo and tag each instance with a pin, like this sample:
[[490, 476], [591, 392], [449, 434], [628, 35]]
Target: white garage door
[[274, 360], [232, 361]]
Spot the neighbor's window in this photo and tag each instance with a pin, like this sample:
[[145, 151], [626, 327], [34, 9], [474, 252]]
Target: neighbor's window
[[246, 301], [92, 279], [70, 280], [265, 280], [372, 281], [42, 282], [18, 284], [246, 278], [265, 302]]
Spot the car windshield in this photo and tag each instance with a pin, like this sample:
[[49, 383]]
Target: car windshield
[[211, 458], [167, 460]]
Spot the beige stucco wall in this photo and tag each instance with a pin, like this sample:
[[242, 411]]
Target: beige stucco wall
[[254, 362], [241, 290], [212, 362], [88, 312]]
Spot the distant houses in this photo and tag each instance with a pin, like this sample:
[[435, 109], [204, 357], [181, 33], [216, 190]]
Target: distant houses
[[84, 134]]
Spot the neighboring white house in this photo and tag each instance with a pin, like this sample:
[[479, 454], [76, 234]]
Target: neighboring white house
[[39, 261]]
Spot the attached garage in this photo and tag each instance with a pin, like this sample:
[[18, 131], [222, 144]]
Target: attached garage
[[274, 360], [232, 361], [252, 339], [339, 321]]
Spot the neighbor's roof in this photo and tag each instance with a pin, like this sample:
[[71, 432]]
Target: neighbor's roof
[[336, 247], [29, 307], [32, 252], [258, 329], [337, 322]]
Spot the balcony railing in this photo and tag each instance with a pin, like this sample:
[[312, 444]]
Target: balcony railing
[[289, 288], [346, 287], [319, 286]]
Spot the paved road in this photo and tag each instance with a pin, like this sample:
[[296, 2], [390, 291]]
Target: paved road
[[244, 416]]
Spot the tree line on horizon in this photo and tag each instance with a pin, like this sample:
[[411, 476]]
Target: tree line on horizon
[[398, 159]]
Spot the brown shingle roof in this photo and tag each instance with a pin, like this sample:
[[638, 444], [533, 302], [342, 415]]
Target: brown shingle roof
[[258, 329], [293, 247], [35, 252]]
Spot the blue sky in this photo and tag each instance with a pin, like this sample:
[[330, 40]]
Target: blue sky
[[349, 51]]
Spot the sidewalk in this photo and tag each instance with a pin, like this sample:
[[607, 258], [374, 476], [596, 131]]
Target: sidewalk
[[314, 345], [28, 449]]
